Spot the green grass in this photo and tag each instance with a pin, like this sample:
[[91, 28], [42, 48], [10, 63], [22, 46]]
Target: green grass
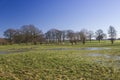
[[40, 63]]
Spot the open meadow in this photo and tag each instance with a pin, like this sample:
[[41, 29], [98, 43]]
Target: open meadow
[[92, 61]]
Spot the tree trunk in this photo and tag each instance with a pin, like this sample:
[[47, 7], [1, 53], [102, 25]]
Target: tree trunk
[[99, 40], [112, 41]]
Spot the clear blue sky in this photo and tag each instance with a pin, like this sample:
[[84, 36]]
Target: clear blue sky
[[60, 14]]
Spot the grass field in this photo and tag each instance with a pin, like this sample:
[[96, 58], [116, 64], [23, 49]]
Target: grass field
[[60, 62]]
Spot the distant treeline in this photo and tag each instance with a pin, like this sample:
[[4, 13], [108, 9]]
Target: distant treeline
[[31, 34]]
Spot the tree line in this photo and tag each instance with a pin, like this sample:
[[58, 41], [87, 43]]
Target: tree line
[[31, 34]]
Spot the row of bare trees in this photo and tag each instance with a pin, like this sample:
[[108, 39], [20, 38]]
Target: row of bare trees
[[26, 34], [31, 34]]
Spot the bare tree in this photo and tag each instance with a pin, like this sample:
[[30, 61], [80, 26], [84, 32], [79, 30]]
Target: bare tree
[[53, 35], [41, 38], [48, 36], [77, 36], [112, 34], [90, 35], [99, 35], [26, 33], [9, 34], [83, 35], [30, 33], [71, 36], [64, 34], [59, 35], [18, 37], [36, 34]]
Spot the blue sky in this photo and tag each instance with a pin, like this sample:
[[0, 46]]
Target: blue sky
[[60, 14]]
